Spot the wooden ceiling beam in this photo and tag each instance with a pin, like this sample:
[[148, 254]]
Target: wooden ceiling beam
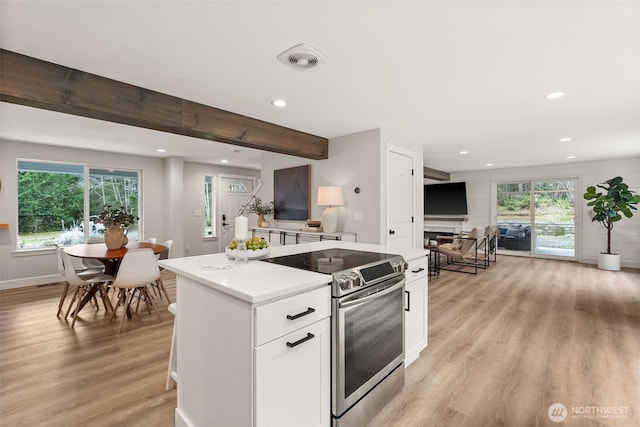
[[436, 174], [35, 83]]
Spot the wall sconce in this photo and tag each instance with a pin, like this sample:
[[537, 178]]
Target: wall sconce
[[330, 196]]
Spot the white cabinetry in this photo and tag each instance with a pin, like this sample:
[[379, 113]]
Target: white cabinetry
[[244, 364], [416, 309], [292, 360], [292, 378]]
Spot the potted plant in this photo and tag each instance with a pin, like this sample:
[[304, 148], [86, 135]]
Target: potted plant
[[261, 209], [609, 207], [116, 221]]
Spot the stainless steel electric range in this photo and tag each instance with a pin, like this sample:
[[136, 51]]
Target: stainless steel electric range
[[367, 328]]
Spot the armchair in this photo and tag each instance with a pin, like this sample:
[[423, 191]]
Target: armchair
[[466, 251]]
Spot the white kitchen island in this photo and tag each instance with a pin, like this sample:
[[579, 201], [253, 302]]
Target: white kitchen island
[[241, 362]]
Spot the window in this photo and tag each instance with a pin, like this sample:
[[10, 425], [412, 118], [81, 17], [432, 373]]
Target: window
[[56, 208], [115, 188], [209, 207]]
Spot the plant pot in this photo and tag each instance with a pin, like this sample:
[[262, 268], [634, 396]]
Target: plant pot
[[115, 237], [260, 220], [609, 262]]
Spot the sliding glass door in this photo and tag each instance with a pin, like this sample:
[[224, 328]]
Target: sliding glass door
[[555, 219], [537, 217]]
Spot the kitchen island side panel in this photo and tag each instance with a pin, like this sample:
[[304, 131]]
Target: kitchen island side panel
[[215, 368]]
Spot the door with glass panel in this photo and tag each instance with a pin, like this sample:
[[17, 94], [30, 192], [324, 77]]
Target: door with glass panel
[[234, 191], [537, 217]]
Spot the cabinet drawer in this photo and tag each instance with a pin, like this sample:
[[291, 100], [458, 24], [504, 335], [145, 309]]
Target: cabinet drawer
[[417, 269], [271, 319], [293, 379]]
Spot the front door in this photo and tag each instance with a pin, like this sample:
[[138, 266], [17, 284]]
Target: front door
[[234, 191]]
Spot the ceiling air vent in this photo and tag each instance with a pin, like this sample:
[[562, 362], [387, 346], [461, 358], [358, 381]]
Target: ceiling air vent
[[302, 57]]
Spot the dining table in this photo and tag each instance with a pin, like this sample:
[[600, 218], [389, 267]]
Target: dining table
[[111, 258]]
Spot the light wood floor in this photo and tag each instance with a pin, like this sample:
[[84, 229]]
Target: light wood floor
[[503, 346], [506, 344]]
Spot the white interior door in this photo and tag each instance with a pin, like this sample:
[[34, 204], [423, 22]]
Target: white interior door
[[400, 198], [234, 191]]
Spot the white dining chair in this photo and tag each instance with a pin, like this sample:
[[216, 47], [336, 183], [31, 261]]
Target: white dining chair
[[138, 269], [84, 272], [82, 285]]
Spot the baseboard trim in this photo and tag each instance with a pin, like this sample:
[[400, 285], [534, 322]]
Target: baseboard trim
[[623, 263], [30, 281]]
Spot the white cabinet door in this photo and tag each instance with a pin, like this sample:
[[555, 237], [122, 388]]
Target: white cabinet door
[[272, 237], [415, 320], [290, 238], [416, 309], [293, 379]]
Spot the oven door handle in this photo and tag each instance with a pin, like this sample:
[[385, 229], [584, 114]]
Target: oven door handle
[[370, 297]]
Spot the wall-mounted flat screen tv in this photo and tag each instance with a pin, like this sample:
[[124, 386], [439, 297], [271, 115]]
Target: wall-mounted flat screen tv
[[445, 199]]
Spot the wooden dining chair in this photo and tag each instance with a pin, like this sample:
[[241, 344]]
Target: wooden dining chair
[[158, 286], [138, 269], [82, 285]]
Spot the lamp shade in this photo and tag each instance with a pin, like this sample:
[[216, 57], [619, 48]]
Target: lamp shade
[[330, 195]]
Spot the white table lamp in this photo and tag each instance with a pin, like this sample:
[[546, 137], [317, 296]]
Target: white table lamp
[[330, 196]]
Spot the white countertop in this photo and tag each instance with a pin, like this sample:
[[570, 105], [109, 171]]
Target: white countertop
[[257, 281]]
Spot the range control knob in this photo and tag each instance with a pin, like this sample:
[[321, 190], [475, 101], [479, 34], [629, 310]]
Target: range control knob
[[355, 279], [400, 266], [345, 283]]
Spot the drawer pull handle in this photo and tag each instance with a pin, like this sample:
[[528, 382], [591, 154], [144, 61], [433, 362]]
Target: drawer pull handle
[[300, 341], [304, 313], [418, 270]]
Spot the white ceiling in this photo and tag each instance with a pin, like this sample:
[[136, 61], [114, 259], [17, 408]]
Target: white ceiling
[[449, 76]]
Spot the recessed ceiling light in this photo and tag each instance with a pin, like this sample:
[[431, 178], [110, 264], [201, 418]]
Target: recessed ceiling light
[[489, 164], [571, 157], [161, 150], [554, 95], [464, 152], [279, 103], [565, 139], [224, 161]]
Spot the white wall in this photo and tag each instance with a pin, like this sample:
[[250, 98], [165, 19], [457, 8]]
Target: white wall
[[171, 190], [592, 238], [193, 200], [353, 162], [38, 266]]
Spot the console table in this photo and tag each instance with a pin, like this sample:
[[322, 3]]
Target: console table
[[286, 236]]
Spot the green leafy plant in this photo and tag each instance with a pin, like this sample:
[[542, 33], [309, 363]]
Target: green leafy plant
[[610, 205], [111, 215], [260, 208]]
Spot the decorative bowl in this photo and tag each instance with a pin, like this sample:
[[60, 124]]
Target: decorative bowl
[[251, 253], [311, 223]]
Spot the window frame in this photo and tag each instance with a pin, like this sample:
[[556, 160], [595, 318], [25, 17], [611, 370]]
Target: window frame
[[86, 175]]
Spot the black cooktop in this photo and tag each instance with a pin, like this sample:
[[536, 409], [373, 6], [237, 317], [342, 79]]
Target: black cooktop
[[329, 260]]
